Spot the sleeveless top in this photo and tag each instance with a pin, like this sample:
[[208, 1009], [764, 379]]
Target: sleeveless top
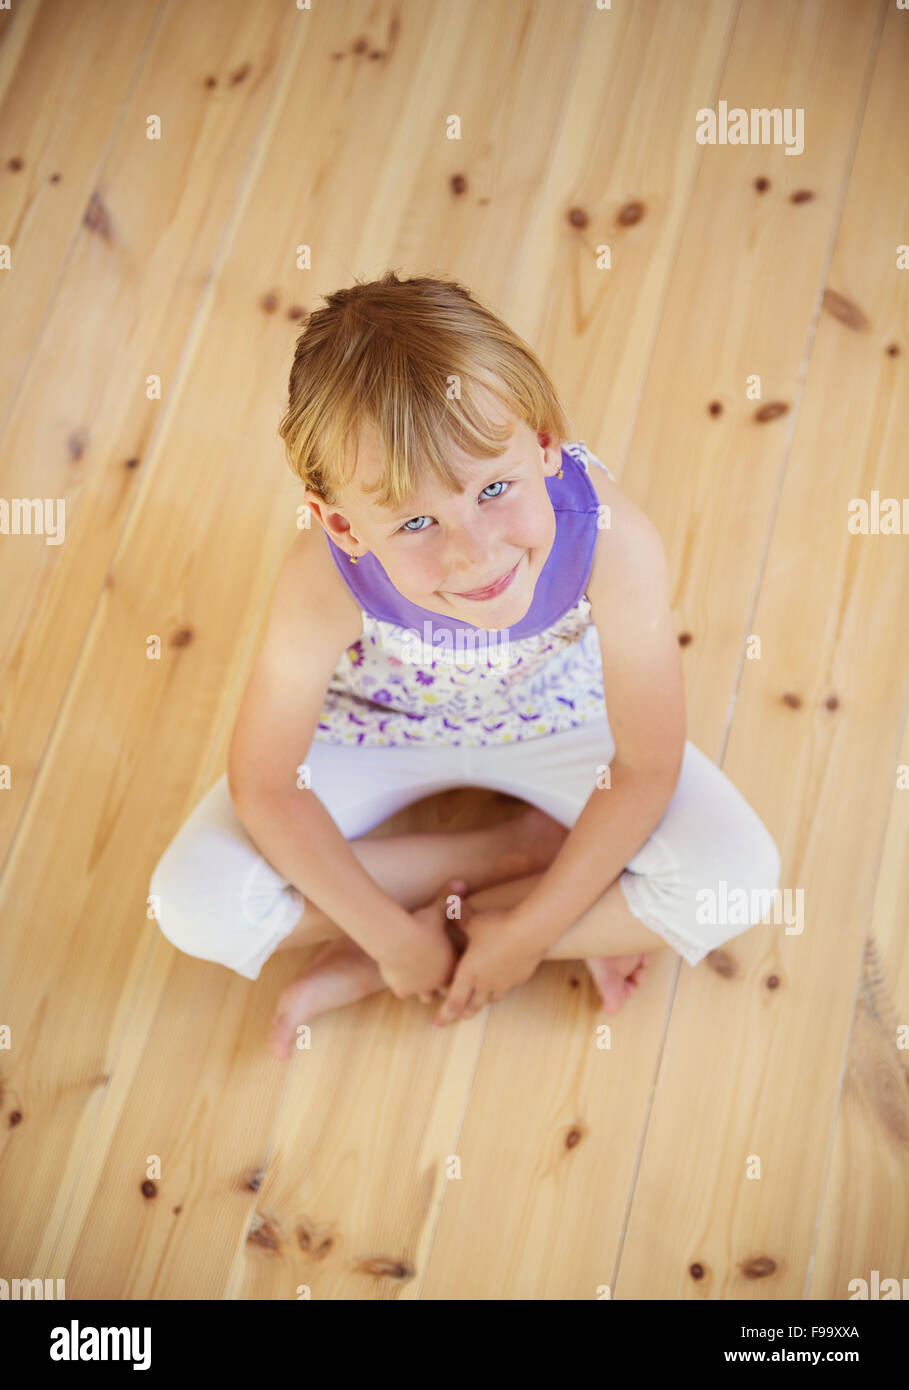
[[417, 677]]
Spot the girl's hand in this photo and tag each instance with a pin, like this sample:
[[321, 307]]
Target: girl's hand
[[425, 962], [495, 961]]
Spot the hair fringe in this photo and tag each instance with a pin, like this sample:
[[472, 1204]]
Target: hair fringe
[[383, 355]]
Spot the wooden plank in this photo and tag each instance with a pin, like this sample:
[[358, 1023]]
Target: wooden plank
[[82, 430], [812, 744], [864, 1220], [864, 1216], [86, 56], [622, 176], [93, 801]]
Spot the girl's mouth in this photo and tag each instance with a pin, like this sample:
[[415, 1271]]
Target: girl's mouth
[[491, 590]]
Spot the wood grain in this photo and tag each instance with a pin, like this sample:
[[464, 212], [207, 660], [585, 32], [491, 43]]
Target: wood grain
[[512, 1156]]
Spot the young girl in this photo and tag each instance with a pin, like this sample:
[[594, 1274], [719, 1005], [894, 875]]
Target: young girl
[[477, 590]]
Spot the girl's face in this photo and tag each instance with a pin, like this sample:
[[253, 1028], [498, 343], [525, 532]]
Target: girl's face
[[476, 555]]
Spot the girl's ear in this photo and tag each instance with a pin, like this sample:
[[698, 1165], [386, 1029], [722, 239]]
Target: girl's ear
[[552, 453], [334, 523]]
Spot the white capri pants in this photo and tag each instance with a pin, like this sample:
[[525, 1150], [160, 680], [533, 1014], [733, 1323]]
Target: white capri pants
[[217, 898]]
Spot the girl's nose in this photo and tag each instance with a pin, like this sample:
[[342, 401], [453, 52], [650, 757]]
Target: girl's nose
[[471, 555]]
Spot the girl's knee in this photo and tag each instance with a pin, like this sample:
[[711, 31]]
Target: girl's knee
[[727, 891], [735, 852], [183, 911], [214, 897], [740, 890], [756, 869]]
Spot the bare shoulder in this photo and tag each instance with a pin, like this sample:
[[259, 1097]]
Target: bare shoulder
[[631, 609], [311, 620], [629, 551], [310, 592]]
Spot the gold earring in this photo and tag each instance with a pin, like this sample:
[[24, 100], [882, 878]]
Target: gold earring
[[354, 559], [559, 474]]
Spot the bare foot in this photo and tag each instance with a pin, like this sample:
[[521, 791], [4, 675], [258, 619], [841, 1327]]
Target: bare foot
[[616, 978], [340, 974], [537, 838]]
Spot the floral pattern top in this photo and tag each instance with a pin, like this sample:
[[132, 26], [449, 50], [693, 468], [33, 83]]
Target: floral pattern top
[[396, 687]]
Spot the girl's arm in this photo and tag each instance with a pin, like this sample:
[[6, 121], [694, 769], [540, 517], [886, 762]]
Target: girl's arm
[[645, 703], [313, 619]]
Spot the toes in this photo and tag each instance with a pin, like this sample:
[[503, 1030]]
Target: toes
[[638, 971], [613, 995], [279, 1039]]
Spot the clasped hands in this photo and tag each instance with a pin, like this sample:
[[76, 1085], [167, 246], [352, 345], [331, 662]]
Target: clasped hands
[[471, 960]]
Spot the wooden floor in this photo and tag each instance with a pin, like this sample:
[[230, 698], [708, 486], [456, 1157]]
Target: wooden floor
[[746, 1135]]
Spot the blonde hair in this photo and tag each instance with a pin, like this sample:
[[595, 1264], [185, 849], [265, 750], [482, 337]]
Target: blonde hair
[[383, 354]]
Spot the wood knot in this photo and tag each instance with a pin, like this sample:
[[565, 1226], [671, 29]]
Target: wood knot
[[715, 407], [359, 45], [792, 700], [893, 350], [772, 981], [832, 702], [177, 1210], [722, 962], [253, 1181], [15, 1118], [269, 303], [458, 184], [211, 81], [843, 309], [295, 312], [149, 1189], [381, 1267], [14, 164], [314, 1239], [575, 982], [578, 217], [263, 1234], [240, 74], [771, 411], [182, 637], [762, 184], [801, 195], [696, 1270], [630, 213], [684, 639], [573, 1137], [758, 1267], [76, 446], [97, 218], [132, 463], [55, 178]]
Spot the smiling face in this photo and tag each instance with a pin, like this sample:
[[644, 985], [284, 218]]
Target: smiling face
[[476, 555]]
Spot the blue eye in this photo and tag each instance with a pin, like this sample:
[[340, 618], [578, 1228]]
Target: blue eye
[[412, 530]]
